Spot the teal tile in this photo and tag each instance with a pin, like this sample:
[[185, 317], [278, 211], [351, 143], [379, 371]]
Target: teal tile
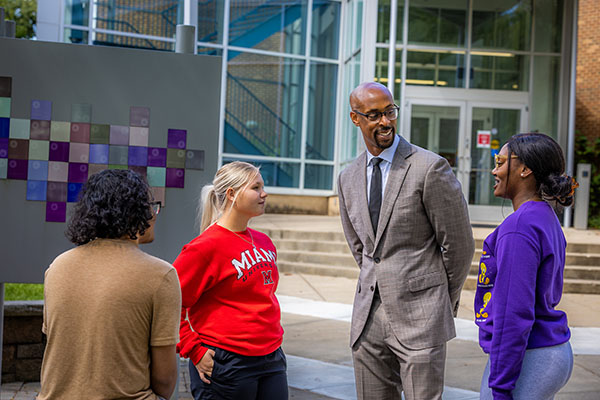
[[4, 107], [157, 176], [19, 128], [81, 113], [3, 167]]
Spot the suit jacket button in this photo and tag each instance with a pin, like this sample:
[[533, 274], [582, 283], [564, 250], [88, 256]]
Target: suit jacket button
[[372, 288], [377, 260]]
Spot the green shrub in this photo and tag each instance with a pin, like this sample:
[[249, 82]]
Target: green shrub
[[588, 151], [23, 291]]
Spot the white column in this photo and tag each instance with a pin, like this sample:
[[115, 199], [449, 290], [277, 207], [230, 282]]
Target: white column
[[48, 20]]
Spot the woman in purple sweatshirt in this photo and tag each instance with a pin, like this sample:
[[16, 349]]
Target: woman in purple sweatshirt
[[520, 278]]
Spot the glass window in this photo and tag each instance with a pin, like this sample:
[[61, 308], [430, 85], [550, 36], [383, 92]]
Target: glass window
[[442, 23], [381, 65], [318, 176], [384, 20], [352, 27], [320, 133], [107, 39], [435, 128], [544, 108], [146, 17], [210, 21], [209, 51], [349, 133], [325, 28], [503, 72], [435, 68], [263, 113], [502, 24], [275, 173], [548, 25], [77, 12], [75, 36], [267, 25]]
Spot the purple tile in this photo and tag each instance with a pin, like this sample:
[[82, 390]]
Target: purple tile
[[18, 149], [119, 134], [59, 151], [17, 169], [56, 212], [143, 171], [80, 132], [78, 172], [139, 116], [39, 130], [73, 191], [138, 155], [57, 191], [4, 127], [157, 157], [98, 154], [175, 178], [36, 190], [3, 148], [176, 139], [41, 109]]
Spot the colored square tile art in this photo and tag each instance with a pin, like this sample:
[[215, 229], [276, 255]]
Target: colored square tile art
[[80, 132], [3, 168], [175, 178], [36, 190], [118, 155], [18, 149], [41, 109], [78, 172], [57, 191], [5, 86], [17, 169], [59, 151], [39, 130], [139, 116], [138, 155], [194, 159], [4, 127], [139, 170], [117, 166], [81, 113], [5, 107], [99, 134], [19, 128], [157, 176], [39, 150], [119, 135], [138, 136], [60, 131], [98, 153], [157, 157], [73, 191], [58, 171], [3, 148], [56, 212], [175, 158], [79, 152], [37, 170], [95, 168], [176, 139]]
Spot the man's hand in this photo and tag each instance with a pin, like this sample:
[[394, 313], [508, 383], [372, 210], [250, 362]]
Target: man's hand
[[205, 366]]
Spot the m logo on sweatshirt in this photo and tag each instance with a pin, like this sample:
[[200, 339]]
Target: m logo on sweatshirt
[[247, 261], [267, 277]]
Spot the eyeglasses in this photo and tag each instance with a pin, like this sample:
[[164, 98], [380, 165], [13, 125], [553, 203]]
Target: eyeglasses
[[501, 159], [374, 116], [156, 206]]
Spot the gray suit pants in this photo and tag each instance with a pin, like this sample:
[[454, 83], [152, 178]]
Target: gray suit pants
[[383, 367]]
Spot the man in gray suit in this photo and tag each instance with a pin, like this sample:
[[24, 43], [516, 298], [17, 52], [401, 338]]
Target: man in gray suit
[[406, 222]]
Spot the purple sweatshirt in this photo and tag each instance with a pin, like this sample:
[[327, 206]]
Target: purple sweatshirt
[[520, 282]]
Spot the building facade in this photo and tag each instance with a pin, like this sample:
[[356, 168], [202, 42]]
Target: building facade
[[467, 74]]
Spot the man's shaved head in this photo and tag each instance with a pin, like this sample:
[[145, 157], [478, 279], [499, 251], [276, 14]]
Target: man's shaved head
[[365, 90]]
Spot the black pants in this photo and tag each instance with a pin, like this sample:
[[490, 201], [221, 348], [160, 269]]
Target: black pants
[[238, 377]]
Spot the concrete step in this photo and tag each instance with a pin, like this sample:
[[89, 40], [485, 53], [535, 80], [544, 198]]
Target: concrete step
[[311, 245], [305, 235], [583, 286], [317, 269], [571, 271], [314, 257], [572, 258]]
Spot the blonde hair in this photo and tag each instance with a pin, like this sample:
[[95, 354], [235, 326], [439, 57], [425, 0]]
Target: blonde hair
[[213, 199]]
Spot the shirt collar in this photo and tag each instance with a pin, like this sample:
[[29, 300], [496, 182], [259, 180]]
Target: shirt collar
[[387, 154]]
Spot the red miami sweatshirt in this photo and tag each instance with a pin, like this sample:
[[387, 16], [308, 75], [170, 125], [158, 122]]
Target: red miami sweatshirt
[[228, 294]]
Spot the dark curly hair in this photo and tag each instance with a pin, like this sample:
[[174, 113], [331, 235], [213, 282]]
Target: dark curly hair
[[544, 157], [112, 204]]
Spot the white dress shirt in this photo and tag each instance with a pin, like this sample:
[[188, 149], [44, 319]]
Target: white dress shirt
[[385, 165]]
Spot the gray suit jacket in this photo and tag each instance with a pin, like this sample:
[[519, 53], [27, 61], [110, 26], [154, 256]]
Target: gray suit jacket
[[422, 250]]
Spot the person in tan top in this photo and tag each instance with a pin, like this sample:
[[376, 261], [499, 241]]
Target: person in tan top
[[111, 311]]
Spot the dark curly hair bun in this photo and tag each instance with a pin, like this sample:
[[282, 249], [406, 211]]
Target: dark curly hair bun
[[113, 204], [545, 158]]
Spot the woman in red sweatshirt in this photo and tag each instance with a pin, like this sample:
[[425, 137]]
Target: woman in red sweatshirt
[[230, 318]]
